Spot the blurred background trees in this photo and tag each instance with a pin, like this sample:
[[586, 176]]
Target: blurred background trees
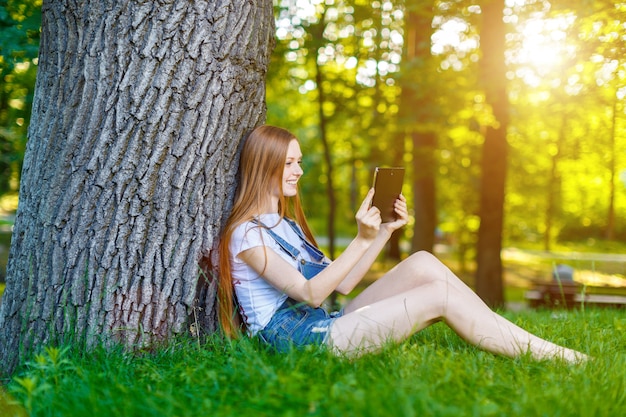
[[19, 45], [399, 82], [423, 84]]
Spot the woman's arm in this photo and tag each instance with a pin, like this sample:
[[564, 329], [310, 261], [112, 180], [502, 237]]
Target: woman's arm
[[364, 264], [283, 276]]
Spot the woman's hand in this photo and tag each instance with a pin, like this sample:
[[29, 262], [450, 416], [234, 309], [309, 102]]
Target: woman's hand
[[369, 221], [402, 215], [368, 218]]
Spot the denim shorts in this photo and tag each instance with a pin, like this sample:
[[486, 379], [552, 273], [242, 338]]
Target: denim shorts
[[296, 325]]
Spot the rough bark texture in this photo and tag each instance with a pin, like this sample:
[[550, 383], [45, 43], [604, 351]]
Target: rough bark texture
[[139, 110], [494, 156]]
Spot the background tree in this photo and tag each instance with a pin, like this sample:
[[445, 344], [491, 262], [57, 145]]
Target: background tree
[[138, 113], [19, 45], [461, 112], [419, 118], [494, 155], [566, 84], [339, 58], [602, 26]]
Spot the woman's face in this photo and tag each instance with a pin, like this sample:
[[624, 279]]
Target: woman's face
[[293, 170]]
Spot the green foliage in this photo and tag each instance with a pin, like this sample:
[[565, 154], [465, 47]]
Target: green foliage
[[565, 136], [434, 373], [565, 159], [5, 243], [19, 45], [347, 60], [333, 69]]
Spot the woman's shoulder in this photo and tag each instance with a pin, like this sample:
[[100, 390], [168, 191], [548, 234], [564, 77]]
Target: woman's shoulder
[[256, 227], [244, 228], [245, 236]]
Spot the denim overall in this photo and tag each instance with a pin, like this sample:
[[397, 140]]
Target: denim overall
[[307, 268], [296, 324]]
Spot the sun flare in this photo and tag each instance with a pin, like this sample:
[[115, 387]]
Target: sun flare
[[543, 47]]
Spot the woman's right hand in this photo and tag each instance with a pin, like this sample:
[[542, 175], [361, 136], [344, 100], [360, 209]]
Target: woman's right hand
[[368, 218]]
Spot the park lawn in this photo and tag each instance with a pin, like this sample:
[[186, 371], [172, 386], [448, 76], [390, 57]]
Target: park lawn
[[433, 374]]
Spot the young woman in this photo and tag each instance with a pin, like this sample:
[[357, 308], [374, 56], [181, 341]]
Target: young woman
[[270, 259]]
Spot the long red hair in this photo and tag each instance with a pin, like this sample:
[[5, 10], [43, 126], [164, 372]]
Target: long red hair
[[261, 166]]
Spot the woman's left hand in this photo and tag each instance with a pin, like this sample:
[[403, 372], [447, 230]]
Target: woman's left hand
[[402, 215]]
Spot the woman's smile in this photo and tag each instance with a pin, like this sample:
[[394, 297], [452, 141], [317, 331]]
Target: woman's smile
[[293, 170]]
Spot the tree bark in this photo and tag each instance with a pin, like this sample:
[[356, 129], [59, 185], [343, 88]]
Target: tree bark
[[494, 156], [139, 110]]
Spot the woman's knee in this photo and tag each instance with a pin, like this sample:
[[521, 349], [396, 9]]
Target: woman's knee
[[425, 267], [422, 256]]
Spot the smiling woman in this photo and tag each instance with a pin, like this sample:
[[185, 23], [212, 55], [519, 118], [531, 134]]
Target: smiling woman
[[274, 279], [293, 170]]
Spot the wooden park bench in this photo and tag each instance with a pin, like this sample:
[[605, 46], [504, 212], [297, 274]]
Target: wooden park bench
[[564, 292]]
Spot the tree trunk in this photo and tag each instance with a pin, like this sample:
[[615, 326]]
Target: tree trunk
[[330, 186], [610, 220], [424, 166], [494, 156], [554, 185], [139, 110], [418, 118]]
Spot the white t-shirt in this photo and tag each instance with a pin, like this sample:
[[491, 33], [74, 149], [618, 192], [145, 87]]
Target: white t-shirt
[[257, 298]]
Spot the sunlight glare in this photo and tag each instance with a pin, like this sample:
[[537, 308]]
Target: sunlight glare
[[543, 42], [452, 34], [542, 49]]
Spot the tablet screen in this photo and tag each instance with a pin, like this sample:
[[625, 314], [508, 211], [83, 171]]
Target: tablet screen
[[388, 186]]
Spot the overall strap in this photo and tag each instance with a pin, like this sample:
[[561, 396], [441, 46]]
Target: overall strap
[[295, 228], [284, 245], [315, 253], [308, 269]]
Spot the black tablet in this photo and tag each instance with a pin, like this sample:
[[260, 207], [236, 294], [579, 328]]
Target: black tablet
[[388, 186]]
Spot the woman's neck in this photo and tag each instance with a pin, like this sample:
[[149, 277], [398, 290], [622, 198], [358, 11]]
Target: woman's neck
[[272, 206], [269, 208]]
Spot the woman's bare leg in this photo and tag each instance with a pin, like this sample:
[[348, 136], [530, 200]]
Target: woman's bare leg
[[402, 305], [418, 269]]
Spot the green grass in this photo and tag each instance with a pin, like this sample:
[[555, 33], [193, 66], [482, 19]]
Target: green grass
[[433, 374]]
